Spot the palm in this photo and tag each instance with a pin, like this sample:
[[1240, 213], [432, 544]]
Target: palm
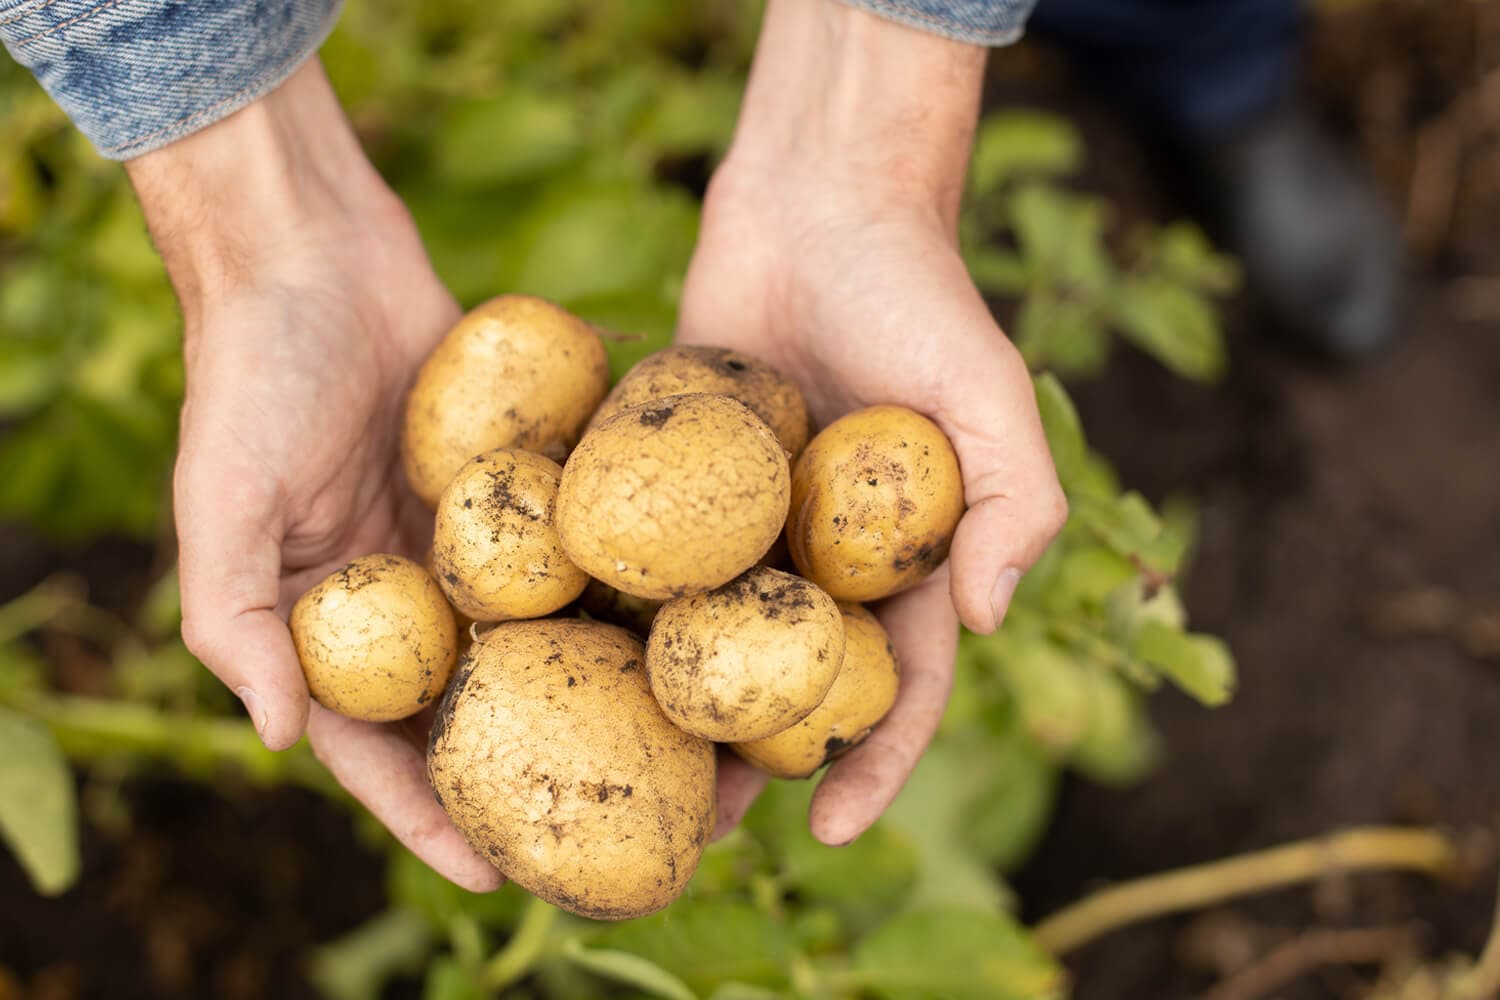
[[862, 303]]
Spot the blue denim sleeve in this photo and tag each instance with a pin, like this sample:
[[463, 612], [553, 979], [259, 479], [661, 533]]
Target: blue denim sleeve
[[982, 22], [136, 74]]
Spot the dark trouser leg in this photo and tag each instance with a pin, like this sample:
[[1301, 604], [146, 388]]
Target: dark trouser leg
[[1204, 66]]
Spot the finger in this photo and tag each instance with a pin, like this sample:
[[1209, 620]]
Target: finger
[[1015, 503], [863, 783], [229, 561], [739, 786], [387, 773]]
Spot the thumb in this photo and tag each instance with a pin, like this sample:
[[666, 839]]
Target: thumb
[[1015, 504], [229, 563]]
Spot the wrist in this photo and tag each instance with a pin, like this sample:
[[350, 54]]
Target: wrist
[[244, 194], [839, 94]]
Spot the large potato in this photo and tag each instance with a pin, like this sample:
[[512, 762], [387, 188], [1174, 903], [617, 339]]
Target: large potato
[[555, 762], [376, 639], [680, 369], [862, 694], [876, 497], [495, 552], [515, 372], [673, 497], [747, 660]]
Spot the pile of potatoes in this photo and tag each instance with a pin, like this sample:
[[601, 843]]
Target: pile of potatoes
[[613, 562]]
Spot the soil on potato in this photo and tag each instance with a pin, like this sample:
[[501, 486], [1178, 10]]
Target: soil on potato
[[1350, 552]]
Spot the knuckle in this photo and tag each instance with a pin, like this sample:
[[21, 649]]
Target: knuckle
[[201, 640]]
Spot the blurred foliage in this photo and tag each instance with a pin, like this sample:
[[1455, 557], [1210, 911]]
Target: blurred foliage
[[560, 150]]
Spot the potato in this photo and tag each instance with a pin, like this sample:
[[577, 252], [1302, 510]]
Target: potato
[[555, 762], [876, 497], [607, 604], [747, 660], [862, 694], [495, 552], [516, 372], [673, 497], [376, 639], [676, 370]]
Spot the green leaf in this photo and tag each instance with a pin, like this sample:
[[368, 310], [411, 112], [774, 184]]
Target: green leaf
[[930, 814], [412, 884], [448, 980], [1201, 665], [1007, 816], [692, 115], [1180, 251], [1174, 324], [358, 965], [744, 991], [514, 136], [870, 874], [1014, 143], [956, 955], [999, 272], [1129, 527], [706, 942], [1061, 424], [1062, 334], [632, 970], [1049, 689], [38, 804], [1061, 236], [1118, 745]]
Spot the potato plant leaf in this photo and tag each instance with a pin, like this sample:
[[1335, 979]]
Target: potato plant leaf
[[957, 955], [1201, 665], [628, 969], [38, 803]]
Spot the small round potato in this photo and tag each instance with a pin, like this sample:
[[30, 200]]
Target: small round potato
[[747, 660], [607, 604], [555, 762], [495, 552], [673, 497], [682, 368], [876, 497], [376, 639], [515, 372], [862, 694]]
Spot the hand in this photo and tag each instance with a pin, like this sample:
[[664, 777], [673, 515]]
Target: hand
[[828, 248], [309, 303]]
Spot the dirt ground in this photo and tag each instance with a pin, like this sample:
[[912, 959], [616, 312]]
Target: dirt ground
[[1350, 553]]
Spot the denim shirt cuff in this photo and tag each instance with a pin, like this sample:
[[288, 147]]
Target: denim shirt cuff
[[979, 22], [135, 75]]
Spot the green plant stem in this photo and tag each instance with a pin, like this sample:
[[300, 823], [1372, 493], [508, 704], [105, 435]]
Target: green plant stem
[[521, 952], [90, 729], [1219, 881], [39, 606]]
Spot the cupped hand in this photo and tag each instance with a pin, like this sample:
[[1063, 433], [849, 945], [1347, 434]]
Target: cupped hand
[[309, 303], [857, 292]]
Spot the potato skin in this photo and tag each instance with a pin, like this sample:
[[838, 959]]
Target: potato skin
[[746, 660], [555, 762], [876, 497], [376, 639], [515, 372], [691, 368], [496, 553], [862, 694], [673, 497]]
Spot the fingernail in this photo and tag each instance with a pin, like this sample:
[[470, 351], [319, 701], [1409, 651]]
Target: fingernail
[[255, 708], [1003, 591]]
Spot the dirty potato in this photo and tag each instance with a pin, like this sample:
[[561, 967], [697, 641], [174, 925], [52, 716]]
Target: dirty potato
[[876, 497], [862, 694], [746, 660], [495, 551], [673, 497], [681, 369], [555, 762], [515, 372], [376, 639]]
